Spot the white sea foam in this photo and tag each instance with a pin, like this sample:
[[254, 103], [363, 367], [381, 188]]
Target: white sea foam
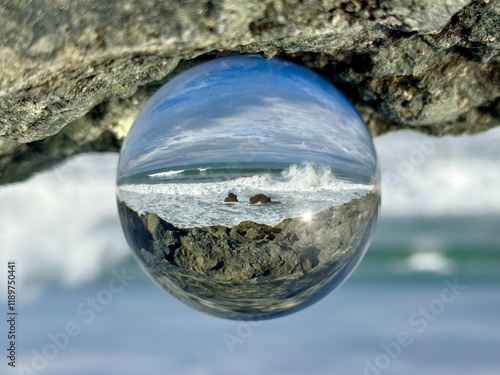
[[166, 174], [433, 261], [439, 176], [299, 189], [61, 225]]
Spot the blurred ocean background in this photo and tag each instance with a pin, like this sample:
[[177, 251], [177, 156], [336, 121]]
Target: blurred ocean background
[[439, 226]]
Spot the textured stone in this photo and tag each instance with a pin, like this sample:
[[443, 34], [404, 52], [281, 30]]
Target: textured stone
[[260, 198], [277, 267], [231, 198], [249, 249], [76, 73]]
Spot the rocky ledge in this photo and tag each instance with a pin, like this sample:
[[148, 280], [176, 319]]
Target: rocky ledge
[[250, 249], [224, 269], [76, 73]]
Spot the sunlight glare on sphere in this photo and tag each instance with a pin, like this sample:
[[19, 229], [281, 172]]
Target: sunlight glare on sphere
[[307, 216], [248, 188]]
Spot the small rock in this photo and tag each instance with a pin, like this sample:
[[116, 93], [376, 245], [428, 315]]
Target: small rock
[[231, 198], [260, 198], [307, 265]]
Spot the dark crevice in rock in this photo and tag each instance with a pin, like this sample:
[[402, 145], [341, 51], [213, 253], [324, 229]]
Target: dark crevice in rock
[[98, 112], [42, 155]]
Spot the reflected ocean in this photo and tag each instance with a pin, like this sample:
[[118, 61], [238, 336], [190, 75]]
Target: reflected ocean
[[194, 196]]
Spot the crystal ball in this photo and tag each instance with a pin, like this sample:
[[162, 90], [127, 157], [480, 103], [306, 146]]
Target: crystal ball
[[248, 188]]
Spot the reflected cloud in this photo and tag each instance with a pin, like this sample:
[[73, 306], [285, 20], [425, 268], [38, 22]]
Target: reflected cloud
[[248, 120]]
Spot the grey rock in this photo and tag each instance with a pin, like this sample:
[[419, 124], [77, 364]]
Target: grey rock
[[76, 73]]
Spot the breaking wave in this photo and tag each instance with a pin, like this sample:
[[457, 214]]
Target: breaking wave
[[299, 189], [304, 178], [166, 174]]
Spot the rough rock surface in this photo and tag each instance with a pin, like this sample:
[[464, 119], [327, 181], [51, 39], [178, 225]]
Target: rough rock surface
[[231, 198], [260, 198], [74, 74], [269, 269]]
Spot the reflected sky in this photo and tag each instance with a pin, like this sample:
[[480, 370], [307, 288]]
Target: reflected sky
[[247, 109]]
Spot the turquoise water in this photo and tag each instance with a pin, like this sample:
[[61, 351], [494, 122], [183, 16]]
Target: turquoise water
[[213, 172], [210, 172]]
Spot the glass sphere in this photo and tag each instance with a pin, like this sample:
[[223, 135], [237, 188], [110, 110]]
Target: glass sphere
[[248, 188]]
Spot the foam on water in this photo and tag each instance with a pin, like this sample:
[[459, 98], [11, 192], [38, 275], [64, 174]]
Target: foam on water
[[301, 190], [166, 174]]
